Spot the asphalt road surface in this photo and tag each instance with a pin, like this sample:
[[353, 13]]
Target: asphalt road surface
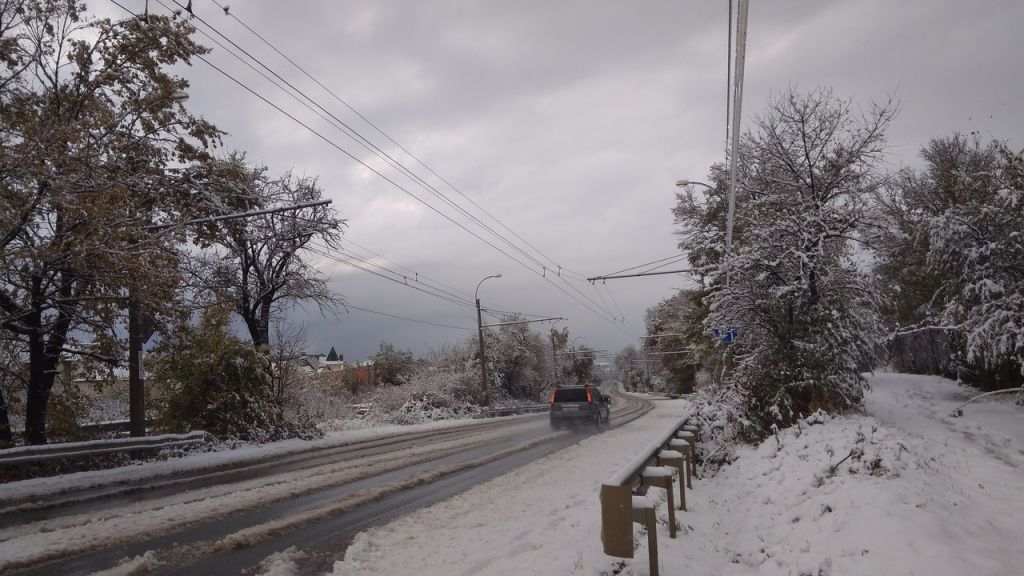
[[316, 501]]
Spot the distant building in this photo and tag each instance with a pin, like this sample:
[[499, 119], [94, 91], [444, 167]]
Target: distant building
[[320, 363]]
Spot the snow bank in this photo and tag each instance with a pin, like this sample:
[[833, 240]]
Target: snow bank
[[904, 489]]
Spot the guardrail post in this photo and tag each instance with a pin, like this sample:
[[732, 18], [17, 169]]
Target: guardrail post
[[691, 439], [675, 458], [660, 477], [617, 520], [643, 513], [686, 449]]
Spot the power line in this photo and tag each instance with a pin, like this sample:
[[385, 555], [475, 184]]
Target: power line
[[405, 170], [362, 140], [674, 257], [397, 317], [358, 263], [385, 134], [610, 317], [355, 264], [610, 277], [423, 279]]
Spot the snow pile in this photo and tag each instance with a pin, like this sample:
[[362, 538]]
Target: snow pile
[[282, 563]]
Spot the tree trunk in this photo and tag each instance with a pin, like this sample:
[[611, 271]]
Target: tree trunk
[[38, 388], [6, 437], [263, 325], [43, 357]]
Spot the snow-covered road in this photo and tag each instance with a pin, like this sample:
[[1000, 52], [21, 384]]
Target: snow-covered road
[[920, 493], [223, 513]]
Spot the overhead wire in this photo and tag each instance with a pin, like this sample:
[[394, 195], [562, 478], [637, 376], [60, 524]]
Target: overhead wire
[[405, 170], [365, 265], [360, 139], [604, 314], [670, 259], [398, 317], [386, 135], [421, 278]]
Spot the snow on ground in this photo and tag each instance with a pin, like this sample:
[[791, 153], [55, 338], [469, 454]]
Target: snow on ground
[[905, 489], [45, 487], [543, 518], [38, 541]]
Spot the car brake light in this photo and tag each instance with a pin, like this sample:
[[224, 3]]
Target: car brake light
[[552, 399], [590, 398]]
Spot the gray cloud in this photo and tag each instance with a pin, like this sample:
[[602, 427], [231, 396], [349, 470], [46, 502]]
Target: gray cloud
[[571, 120]]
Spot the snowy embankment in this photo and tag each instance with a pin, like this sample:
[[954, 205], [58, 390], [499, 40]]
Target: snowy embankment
[[904, 489]]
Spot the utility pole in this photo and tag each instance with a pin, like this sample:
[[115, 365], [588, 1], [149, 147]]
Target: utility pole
[[554, 359], [483, 358], [741, 50], [480, 332], [136, 393]]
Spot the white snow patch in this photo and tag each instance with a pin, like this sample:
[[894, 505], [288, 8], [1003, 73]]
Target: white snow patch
[[282, 563], [133, 566]]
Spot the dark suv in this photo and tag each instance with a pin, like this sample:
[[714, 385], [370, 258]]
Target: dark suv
[[570, 404]]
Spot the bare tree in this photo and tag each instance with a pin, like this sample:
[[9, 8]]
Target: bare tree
[[262, 264]]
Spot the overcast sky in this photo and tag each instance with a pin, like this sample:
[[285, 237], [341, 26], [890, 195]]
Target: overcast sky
[[569, 121]]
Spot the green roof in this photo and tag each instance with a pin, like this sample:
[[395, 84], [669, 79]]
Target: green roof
[[332, 356]]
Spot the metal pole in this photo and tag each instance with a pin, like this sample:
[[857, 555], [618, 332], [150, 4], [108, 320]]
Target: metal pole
[[554, 361], [741, 47], [136, 392], [483, 358], [480, 331]]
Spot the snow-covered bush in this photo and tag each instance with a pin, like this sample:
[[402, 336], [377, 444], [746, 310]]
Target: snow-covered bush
[[433, 393], [208, 379]]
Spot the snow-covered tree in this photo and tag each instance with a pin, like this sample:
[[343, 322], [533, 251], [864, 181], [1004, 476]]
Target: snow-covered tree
[[673, 326], [806, 317], [979, 245], [262, 263], [391, 366], [631, 368], [957, 171], [95, 146]]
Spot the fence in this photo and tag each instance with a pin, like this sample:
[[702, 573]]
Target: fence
[[622, 505], [491, 413], [45, 452]]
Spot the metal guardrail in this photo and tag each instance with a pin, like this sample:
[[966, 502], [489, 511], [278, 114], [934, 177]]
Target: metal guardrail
[[108, 426], [621, 507], [46, 452], [508, 411]]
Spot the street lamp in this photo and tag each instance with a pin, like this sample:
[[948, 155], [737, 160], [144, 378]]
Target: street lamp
[[480, 332], [140, 330], [684, 183]]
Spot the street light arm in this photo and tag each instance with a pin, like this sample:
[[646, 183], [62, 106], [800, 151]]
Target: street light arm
[[476, 293], [684, 183]]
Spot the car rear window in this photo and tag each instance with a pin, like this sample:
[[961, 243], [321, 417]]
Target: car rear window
[[571, 395]]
